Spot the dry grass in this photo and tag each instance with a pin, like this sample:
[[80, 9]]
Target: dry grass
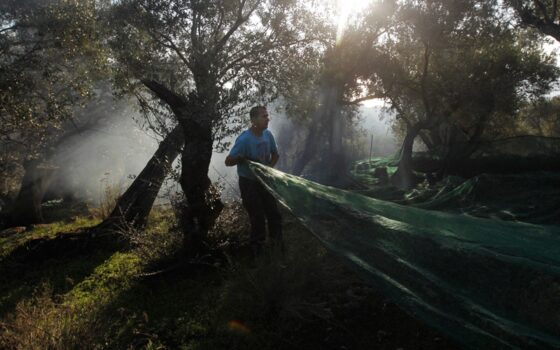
[[264, 304], [42, 322], [159, 240], [279, 290], [110, 194]]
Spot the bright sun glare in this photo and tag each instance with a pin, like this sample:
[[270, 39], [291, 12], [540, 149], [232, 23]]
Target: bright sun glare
[[347, 9]]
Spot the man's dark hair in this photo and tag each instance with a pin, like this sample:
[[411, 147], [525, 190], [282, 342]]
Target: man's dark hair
[[254, 112]]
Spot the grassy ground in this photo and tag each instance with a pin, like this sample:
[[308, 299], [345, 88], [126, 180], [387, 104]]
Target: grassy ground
[[109, 298]]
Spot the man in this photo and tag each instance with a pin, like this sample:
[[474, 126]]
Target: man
[[257, 144]]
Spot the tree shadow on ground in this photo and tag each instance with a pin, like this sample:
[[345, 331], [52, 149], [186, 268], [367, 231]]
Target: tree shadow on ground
[[60, 262], [212, 306]]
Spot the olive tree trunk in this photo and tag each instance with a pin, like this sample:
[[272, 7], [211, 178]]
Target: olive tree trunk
[[134, 205], [26, 209], [403, 178], [201, 208]]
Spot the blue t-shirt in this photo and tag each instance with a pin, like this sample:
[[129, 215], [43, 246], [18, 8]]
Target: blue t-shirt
[[258, 149]]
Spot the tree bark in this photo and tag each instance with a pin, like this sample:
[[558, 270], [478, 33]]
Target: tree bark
[[27, 206], [38, 177], [308, 152], [201, 209], [430, 138], [337, 162], [134, 205], [403, 177]]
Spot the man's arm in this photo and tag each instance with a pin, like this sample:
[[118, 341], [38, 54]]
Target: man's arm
[[274, 159], [234, 160]]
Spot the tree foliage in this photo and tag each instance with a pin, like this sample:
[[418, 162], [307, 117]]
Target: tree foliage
[[50, 56], [224, 54], [452, 70], [540, 118], [540, 14]]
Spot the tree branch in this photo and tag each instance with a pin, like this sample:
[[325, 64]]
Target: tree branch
[[254, 52], [174, 100], [401, 112], [543, 10], [171, 45], [15, 26], [361, 99], [194, 27], [238, 22], [220, 23], [529, 17]]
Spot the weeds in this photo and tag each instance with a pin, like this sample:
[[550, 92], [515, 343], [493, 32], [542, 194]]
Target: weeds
[[42, 322], [280, 292], [231, 228], [10, 242], [263, 304], [110, 194], [154, 243]]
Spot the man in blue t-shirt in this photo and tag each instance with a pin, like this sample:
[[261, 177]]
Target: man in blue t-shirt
[[257, 144]]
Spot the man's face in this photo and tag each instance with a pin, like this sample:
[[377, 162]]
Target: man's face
[[261, 120]]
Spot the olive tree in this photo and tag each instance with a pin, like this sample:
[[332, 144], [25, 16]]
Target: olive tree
[[207, 61], [540, 14], [50, 57], [449, 69]]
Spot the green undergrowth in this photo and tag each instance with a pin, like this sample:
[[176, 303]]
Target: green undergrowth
[[129, 299], [16, 237], [19, 280], [74, 319]]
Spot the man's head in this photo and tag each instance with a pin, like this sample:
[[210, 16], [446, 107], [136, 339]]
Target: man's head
[[259, 117]]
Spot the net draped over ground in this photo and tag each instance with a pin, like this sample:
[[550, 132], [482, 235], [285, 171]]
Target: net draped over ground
[[484, 282]]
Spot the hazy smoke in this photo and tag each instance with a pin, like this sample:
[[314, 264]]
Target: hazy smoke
[[115, 148], [109, 150], [375, 123]]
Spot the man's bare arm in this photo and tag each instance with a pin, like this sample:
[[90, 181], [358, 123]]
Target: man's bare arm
[[234, 160]]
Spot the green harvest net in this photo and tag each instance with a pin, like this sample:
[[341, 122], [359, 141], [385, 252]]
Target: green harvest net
[[512, 155], [529, 197], [486, 283]]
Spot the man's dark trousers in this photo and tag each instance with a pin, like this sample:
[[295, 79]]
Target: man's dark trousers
[[260, 204]]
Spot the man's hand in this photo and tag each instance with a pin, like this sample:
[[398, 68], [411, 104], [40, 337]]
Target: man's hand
[[234, 160]]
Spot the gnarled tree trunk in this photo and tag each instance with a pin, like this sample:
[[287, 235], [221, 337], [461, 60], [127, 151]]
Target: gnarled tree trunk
[[27, 206], [403, 177], [196, 119], [202, 208], [134, 205]]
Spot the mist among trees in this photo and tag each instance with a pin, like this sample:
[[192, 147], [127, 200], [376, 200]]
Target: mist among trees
[[123, 111]]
